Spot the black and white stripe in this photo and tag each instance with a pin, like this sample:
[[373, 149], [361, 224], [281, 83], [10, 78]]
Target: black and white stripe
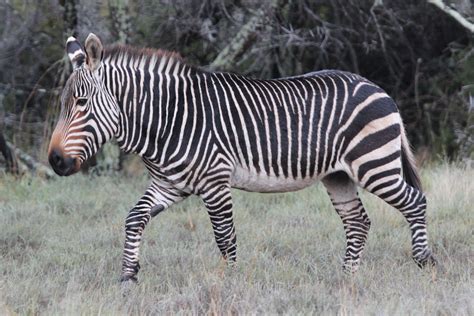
[[203, 133]]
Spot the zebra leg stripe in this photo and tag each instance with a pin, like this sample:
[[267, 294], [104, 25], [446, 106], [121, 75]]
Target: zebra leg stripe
[[345, 199], [219, 206], [156, 199], [412, 204], [135, 223]]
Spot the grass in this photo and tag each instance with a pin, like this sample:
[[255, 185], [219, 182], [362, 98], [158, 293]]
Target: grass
[[61, 243]]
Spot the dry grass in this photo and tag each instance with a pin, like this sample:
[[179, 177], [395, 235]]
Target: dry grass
[[61, 242]]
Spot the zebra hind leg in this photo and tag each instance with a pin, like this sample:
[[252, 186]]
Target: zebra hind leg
[[345, 199], [218, 202], [411, 202]]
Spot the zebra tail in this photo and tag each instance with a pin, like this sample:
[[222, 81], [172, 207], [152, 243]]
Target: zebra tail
[[410, 172]]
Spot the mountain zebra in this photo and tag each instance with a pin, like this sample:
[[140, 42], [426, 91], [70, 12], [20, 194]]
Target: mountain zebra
[[204, 133]]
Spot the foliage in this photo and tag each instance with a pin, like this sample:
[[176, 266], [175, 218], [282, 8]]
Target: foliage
[[417, 53]]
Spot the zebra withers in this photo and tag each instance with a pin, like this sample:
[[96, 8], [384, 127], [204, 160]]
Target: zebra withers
[[204, 132]]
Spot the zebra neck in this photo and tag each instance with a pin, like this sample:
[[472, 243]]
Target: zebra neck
[[152, 94]]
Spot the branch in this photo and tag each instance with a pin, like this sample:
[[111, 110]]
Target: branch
[[454, 14], [242, 40], [238, 44], [31, 163]]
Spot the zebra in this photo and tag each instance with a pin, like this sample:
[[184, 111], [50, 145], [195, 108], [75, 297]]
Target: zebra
[[203, 133]]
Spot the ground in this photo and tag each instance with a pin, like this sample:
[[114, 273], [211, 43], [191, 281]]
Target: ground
[[61, 243]]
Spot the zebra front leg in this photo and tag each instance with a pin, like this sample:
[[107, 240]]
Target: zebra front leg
[[219, 206], [135, 223], [156, 199], [343, 193]]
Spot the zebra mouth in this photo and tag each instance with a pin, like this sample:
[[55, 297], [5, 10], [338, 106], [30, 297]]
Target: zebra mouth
[[64, 172]]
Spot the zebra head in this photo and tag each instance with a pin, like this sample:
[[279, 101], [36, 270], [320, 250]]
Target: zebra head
[[89, 112]]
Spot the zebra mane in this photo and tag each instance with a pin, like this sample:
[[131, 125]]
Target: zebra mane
[[139, 52]]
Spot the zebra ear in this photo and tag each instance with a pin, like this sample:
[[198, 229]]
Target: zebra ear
[[75, 52], [94, 51]]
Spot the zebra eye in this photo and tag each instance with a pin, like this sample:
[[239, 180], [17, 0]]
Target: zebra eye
[[81, 101]]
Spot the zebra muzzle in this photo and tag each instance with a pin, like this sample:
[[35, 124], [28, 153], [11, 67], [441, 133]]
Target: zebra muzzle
[[63, 166]]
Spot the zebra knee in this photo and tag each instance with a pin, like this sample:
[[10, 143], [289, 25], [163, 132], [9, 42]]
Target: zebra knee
[[422, 202], [366, 221], [418, 200], [356, 220], [136, 220]]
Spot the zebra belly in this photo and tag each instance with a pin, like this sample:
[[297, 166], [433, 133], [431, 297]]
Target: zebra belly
[[260, 182]]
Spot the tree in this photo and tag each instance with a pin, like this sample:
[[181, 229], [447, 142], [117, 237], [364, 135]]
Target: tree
[[454, 14]]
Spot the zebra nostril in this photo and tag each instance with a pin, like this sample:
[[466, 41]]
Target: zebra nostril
[[56, 159]]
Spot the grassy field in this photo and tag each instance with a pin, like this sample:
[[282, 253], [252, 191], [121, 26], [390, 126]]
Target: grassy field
[[61, 243]]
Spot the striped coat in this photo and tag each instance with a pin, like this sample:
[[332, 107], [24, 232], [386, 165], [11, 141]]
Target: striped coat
[[204, 133]]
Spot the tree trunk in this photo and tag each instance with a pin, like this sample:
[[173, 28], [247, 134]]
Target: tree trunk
[[10, 158]]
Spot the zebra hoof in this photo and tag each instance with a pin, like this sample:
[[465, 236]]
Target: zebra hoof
[[350, 267], [130, 279], [427, 261]]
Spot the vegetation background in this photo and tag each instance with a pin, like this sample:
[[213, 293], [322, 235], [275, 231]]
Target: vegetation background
[[61, 239], [422, 56]]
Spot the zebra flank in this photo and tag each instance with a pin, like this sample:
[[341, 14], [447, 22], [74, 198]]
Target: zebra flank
[[204, 133]]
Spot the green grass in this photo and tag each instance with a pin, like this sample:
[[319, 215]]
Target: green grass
[[61, 243]]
